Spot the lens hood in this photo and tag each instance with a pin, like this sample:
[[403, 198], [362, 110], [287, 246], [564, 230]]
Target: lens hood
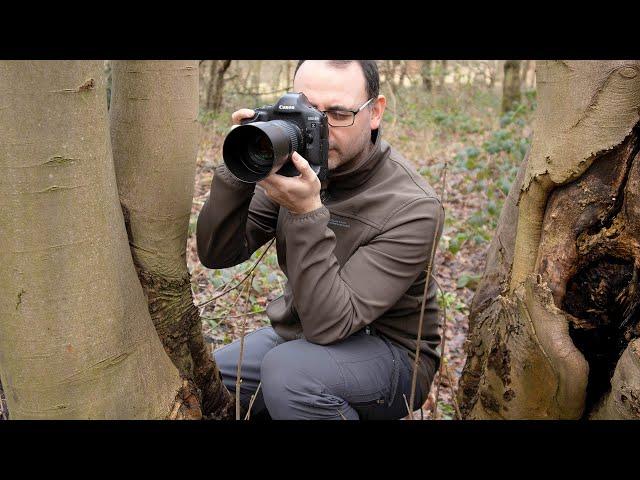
[[255, 150]]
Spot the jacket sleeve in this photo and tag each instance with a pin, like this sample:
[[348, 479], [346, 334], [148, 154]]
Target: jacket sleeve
[[234, 222], [334, 302]]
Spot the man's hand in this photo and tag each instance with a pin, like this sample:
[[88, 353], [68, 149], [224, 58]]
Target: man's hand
[[242, 114], [299, 194]]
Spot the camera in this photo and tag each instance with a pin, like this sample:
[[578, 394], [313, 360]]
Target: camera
[[263, 144]]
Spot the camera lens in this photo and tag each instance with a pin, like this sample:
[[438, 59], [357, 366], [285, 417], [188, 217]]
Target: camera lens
[[255, 150], [260, 151]]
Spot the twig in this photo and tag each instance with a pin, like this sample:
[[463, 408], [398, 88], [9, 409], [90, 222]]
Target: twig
[[253, 397], [443, 180], [395, 108], [238, 379], [424, 300], [229, 309], [342, 415], [442, 344], [453, 392], [424, 296], [223, 293], [407, 405], [224, 317], [259, 93]]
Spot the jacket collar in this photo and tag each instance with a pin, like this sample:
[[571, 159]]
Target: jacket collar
[[358, 170]]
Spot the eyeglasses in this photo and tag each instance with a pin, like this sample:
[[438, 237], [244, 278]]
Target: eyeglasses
[[344, 118]]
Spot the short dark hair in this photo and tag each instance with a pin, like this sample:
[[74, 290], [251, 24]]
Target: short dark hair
[[369, 68]]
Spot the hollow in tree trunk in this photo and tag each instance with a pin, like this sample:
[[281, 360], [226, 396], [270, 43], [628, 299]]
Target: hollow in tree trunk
[[554, 324]]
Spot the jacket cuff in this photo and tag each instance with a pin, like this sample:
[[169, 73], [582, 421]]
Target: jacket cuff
[[317, 214], [227, 177]]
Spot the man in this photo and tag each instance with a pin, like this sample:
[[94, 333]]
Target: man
[[355, 252]]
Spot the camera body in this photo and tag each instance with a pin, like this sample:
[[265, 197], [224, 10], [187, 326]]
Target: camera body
[[264, 143]]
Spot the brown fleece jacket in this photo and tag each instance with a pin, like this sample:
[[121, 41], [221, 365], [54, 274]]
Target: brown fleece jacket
[[358, 260]]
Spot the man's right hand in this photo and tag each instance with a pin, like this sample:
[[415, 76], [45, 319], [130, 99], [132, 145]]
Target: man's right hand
[[242, 114]]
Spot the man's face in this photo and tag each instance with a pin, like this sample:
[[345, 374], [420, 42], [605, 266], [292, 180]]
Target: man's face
[[343, 88]]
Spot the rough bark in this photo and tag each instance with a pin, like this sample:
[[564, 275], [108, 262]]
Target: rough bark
[[554, 321], [76, 338], [155, 167], [216, 84], [511, 85]]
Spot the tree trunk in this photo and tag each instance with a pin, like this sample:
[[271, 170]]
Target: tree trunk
[[255, 79], [76, 338], [530, 76], [216, 84], [442, 70], [427, 81], [388, 71], [494, 69], [403, 72], [288, 79], [155, 167], [554, 324], [511, 85], [203, 84]]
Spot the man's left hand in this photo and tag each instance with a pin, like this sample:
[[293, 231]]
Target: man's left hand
[[299, 194]]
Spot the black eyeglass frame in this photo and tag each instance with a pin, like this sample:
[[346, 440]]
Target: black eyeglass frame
[[353, 113]]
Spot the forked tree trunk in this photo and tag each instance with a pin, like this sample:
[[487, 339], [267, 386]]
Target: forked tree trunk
[[155, 168], [511, 85], [554, 324], [76, 338]]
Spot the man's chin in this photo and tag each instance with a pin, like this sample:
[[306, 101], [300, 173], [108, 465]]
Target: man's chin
[[333, 161]]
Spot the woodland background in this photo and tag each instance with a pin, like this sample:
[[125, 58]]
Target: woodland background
[[466, 125]]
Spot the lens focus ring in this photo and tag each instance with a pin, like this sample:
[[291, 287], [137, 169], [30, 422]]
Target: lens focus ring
[[292, 130]]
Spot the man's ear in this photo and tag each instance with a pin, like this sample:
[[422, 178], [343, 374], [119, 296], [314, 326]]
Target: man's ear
[[377, 110]]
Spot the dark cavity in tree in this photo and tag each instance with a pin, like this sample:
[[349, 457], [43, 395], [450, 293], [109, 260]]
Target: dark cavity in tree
[[597, 297]]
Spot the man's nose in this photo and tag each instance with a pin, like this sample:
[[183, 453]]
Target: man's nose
[[331, 133]]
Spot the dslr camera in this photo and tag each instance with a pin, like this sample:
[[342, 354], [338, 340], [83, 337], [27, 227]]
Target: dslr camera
[[263, 145]]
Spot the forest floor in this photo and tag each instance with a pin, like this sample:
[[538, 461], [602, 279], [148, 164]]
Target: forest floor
[[458, 131]]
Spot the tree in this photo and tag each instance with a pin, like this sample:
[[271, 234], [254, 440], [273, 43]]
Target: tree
[[554, 324], [76, 337], [215, 86], [510, 85], [427, 80], [155, 166], [443, 71]]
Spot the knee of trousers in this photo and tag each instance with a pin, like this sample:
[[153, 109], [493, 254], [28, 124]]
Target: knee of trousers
[[289, 389]]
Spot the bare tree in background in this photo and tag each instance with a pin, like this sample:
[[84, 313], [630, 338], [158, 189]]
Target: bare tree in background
[[511, 85], [215, 88], [442, 70], [426, 73]]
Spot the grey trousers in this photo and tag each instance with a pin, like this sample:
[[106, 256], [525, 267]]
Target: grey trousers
[[361, 377]]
